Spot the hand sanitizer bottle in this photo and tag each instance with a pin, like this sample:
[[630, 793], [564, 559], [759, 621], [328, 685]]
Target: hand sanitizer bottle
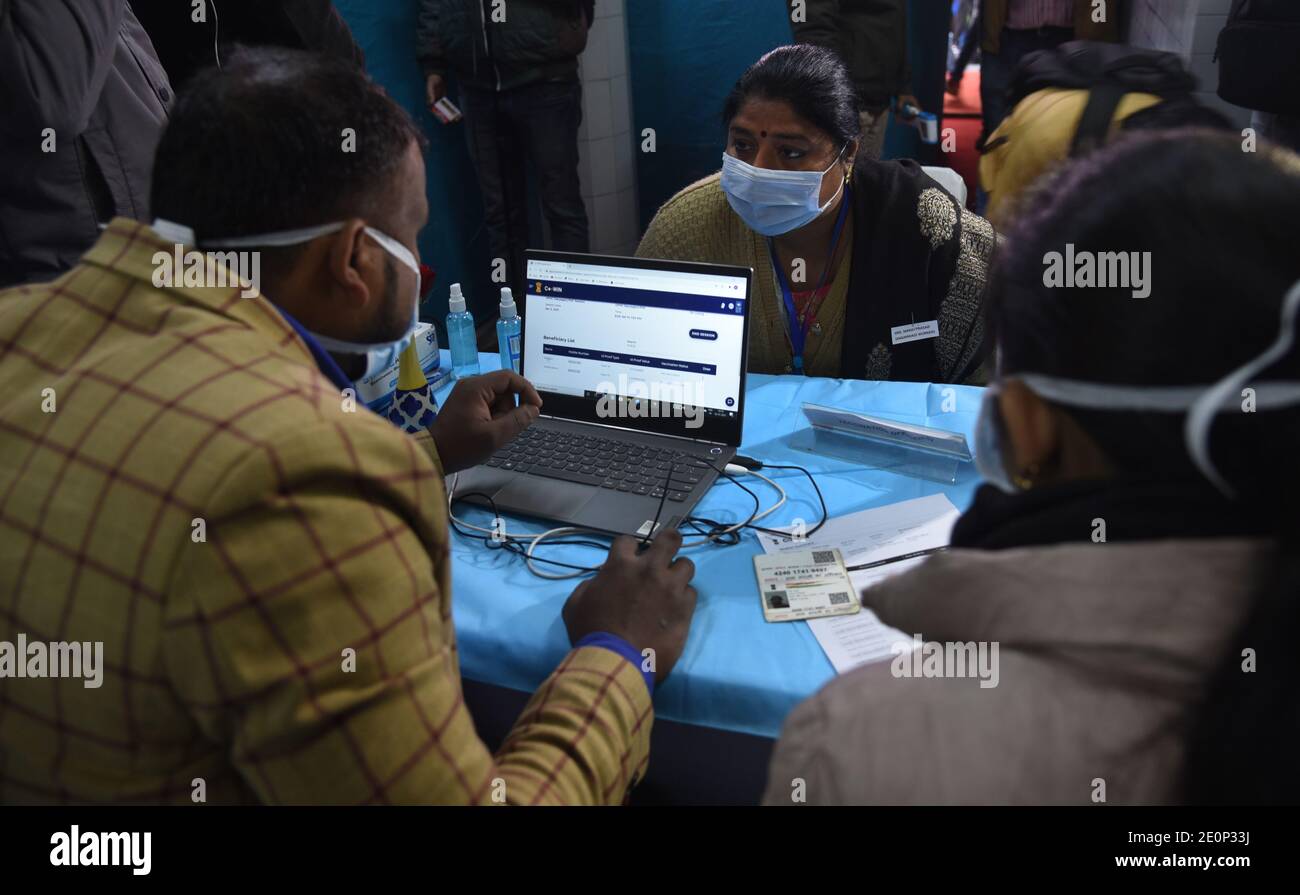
[[508, 332], [461, 338]]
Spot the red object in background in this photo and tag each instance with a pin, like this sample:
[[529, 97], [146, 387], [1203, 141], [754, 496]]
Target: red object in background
[[962, 113], [427, 277]]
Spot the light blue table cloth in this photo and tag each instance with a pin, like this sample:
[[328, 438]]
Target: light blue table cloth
[[738, 672]]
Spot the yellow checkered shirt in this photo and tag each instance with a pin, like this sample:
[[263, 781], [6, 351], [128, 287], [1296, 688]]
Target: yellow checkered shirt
[[266, 566]]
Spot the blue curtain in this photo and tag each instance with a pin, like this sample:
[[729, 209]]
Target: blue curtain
[[684, 57]]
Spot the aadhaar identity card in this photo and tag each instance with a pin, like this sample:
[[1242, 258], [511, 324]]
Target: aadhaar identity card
[[804, 584]]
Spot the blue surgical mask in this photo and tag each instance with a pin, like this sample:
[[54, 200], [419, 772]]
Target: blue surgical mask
[[774, 202], [379, 355], [989, 459], [1201, 403]]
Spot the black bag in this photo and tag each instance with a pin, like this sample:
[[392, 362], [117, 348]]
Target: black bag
[[1259, 56], [1107, 71]]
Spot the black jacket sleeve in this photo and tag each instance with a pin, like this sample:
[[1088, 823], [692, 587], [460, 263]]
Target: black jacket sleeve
[[428, 44], [54, 58], [819, 26]]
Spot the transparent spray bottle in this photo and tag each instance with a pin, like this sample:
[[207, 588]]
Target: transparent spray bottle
[[461, 337], [508, 332]]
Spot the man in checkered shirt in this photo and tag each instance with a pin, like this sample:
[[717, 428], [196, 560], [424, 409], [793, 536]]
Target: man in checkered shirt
[[188, 479]]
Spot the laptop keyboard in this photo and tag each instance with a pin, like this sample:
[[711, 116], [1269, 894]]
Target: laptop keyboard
[[605, 462]]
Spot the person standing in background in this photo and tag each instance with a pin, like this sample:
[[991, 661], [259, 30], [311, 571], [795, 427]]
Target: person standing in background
[[83, 98], [518, 74], [1259, 66], [871, 38], [966, 33], [186, 45], [1012, 29]]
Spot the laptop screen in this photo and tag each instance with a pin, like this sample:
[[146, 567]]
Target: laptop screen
[[658, 346]]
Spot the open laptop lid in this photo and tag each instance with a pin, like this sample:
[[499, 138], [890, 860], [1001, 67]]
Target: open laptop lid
[[651, 346]]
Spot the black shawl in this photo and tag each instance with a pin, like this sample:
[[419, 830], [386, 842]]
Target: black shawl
[[901, 274]]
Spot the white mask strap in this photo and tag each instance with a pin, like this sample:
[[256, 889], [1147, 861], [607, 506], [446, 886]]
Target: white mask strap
[[276, 239], [174, 232], [396, 249], [1201, 403], [1158, 398], [1201, 416]]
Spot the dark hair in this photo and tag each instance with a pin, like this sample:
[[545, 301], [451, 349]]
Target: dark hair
[[811, 79], [258, 146], [1219, 224]]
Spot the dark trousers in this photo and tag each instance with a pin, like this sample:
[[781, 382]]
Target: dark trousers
[[538, 125], [997, 68]]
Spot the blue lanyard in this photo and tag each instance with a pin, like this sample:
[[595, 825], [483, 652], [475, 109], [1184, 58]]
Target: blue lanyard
[[797, 331]]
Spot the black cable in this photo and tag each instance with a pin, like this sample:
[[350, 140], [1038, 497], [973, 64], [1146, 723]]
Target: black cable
[[725, 534], [654, 524], [820, 499], [753, 466], [722, 534], [716, 532]]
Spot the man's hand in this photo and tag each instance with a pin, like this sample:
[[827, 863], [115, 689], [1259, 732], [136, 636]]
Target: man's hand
[[904, 100], [435, 88], [645, 598], [480, 416]]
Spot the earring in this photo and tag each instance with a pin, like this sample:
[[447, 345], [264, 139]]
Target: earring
[[1024, 480]]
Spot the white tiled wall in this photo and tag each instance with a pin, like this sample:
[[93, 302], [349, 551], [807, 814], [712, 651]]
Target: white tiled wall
[[606, 161], [1189, 28]]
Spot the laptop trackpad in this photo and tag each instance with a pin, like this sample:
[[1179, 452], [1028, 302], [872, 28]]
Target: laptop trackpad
[[548, 498]]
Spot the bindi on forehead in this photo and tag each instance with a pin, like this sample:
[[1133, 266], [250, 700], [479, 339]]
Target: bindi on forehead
[[762, 133]]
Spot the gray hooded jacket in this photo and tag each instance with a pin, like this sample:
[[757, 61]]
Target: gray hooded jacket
[[83, 100]]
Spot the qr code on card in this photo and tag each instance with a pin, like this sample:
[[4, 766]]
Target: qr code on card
[[823, 557], [839, 599]]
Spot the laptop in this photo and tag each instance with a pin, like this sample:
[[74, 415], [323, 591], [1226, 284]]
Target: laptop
[[641, 368]]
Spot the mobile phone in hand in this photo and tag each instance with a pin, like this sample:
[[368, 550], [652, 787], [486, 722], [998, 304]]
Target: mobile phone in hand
[[445, 111]]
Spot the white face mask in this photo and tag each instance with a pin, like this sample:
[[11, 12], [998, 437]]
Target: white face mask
[[774, 202], [1201, 402], [379, 355]]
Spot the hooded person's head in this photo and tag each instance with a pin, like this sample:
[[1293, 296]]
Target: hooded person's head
[[305, 160]]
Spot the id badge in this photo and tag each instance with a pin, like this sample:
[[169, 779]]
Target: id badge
[[914, 332]]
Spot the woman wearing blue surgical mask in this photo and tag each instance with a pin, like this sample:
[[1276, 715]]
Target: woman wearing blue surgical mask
[[863, 269], [1116, 618]]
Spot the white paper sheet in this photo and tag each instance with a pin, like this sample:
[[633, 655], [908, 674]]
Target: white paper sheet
[[876, 544]]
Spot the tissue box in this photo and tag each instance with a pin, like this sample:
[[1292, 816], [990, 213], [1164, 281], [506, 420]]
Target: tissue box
[[377, 390]]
